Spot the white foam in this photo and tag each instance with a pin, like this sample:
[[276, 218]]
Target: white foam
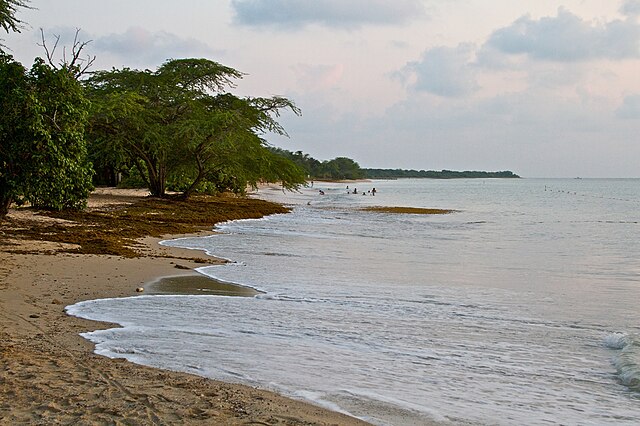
[[627, 361], [616, 340]]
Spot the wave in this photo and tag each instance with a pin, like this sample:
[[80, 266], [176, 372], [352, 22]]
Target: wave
[[627, 360]]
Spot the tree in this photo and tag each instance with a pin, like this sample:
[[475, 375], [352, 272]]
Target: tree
[[224, 137], [8, 20], [61, 173], [8, 9], [18, 106], [341, 168], [43, 157], [178, 124]]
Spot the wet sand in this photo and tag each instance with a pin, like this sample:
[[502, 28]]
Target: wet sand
[[197, 284]]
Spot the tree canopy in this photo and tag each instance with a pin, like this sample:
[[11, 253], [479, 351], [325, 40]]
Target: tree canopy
[[8, 20], [43, 157], [8, 9], [177, 125], [336, 169], [432, 174]]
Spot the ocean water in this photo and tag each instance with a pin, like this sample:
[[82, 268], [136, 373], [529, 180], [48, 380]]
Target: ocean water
[[521, 307]]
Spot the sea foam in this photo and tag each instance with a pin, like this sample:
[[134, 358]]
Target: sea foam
[[627, 360]]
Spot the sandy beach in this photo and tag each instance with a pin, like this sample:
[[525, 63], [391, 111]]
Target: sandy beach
[[49, 374]]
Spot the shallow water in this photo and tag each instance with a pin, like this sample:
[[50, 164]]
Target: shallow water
[[520, 307]]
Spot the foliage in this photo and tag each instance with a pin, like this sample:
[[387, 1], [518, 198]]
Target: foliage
[[346, 168], [8, 20], [62, 173], [444, 174], [8, 9], [178, 127], [341, 168], [336, 169], [43, 158], [18, 106]]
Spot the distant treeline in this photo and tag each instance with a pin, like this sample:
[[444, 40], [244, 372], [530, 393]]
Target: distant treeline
[[432, 174], [345, 168], [340, 168]]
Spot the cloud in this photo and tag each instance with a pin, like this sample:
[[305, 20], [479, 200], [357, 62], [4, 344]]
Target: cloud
[[142, 47], [568, 38], [294, 14], [318, 77], [630, 108], [443, 71], [630, 8]]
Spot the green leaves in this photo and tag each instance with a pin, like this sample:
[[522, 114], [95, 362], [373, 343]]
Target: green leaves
[[8, 9], [186, 130], [43, 156]]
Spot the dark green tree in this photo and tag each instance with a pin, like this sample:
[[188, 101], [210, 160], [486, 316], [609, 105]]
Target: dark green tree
[[341, 168], [8, 9], [179, 125], [43, 158], [61, 173], [19, 109]]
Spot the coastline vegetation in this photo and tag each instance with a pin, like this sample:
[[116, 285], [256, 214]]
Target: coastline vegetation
[[343, 168], [432, 174]]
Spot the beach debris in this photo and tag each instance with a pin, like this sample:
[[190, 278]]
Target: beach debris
[[139, 289], [178, 266]]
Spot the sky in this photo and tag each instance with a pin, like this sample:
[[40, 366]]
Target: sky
[[542, 88]]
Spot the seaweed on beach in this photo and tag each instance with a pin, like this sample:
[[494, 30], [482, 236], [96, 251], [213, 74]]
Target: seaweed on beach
[[114, 229]]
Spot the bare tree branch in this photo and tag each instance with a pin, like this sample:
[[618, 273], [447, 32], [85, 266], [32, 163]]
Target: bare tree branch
[[77, 65], [49, 54]]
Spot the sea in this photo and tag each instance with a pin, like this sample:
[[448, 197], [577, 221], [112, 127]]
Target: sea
[[522, 306]]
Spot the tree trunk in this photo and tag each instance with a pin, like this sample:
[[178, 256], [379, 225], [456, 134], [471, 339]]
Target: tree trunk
[[5, 202], [156, 187], [186, 194], [156, 180]]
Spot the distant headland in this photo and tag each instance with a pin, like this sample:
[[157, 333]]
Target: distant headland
[[343, 168], [432, 174]]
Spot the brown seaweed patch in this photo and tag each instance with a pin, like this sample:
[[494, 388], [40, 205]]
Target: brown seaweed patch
[[113, 230], [406, 210]]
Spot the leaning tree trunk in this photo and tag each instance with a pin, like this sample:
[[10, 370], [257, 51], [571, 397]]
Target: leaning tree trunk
[[156, 172], [5, 202], [186, 194]]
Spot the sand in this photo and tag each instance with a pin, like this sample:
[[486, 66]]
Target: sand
[[50, 375]]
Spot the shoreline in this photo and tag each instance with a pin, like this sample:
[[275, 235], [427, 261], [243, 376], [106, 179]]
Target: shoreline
[[50, 374]]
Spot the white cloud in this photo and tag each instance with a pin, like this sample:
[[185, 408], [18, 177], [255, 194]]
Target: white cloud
[[318, 77], [630, 108], [566, 37], [444, 71], [139, 46], [294, 14], [630, 8]]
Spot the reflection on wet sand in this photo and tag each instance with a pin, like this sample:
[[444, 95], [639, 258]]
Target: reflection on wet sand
[[197, 285]]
